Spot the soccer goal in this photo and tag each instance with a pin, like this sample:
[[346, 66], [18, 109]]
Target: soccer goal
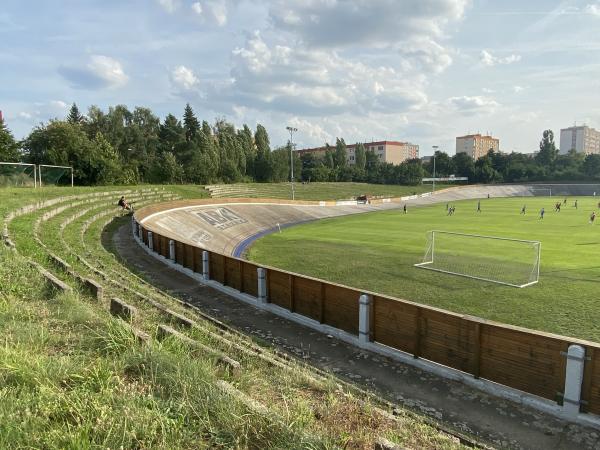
[[17, 175], [512, 262], [53, 175], [540, 192]]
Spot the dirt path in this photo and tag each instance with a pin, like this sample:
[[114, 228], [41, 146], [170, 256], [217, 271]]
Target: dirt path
[[497, 422]]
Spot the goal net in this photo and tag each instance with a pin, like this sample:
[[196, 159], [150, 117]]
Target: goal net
[[512, 262], [540, 192], [17, 175], [55, 175]]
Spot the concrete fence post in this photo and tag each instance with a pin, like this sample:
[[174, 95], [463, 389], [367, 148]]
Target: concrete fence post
[[150, 240], [133, 226], [205, 265], [364, 318], [573, 380], [171, 249], [140, 232], [262, 285]]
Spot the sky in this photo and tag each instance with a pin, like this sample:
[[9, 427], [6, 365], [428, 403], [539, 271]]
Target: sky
[[422, 71]]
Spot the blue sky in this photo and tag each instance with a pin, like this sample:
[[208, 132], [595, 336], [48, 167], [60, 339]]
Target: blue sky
[[423, 71]]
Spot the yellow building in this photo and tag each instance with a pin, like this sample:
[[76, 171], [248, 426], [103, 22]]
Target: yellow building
[[393, 152], [477, 145]]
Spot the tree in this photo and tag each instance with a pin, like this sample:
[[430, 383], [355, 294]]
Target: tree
[[96, 122], [63, 143], [485, 172], [548, 151], [591, 166], [411, 172], [74, 116], [360, 156], [262, 165], [329, 157], [171, 135], [9, 150], [372, 166], [166, 169], [463, 165], [230, 151], [340, 153], [190, 123], [106, 161], [443, 164], [280, 164], [118, 121], [246, 142]]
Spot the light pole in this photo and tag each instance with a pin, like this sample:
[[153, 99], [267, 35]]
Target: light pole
[[292, 130], [435, 147]]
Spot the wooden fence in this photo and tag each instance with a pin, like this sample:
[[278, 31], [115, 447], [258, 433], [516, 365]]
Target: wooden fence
[[527, 360]]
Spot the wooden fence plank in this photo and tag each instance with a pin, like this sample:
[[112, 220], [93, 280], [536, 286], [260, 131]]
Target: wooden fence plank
[[307, 297], [291, 292], [341, 308], [586, 388]]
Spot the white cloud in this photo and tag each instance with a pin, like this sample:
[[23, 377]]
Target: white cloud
[[184, 78], [487, 59], [108, 69], [169, 5], [311, 82], [312, 131], [197, 8], [100, 72], [332, 23], [470, 105], [488, 90], [425, 54], [593, 9], [59, 104], [523, 117], [25, 115], [213, 11], [517, 89]]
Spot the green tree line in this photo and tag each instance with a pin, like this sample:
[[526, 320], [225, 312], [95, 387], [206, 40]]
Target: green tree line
[[129, 147]]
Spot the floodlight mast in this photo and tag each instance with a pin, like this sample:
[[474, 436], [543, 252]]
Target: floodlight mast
[[435, 147], [292, 130]]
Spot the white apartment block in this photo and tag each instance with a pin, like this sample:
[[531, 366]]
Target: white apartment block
[[477, 145], [583, 139]]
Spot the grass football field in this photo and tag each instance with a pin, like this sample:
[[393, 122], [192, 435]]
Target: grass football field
[[376, 252]]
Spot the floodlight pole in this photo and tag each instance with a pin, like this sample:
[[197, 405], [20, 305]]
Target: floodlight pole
[[435, 147], [292, 130]]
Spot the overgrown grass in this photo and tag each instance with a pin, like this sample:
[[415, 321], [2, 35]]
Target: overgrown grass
[[378, 251], [71, 376]]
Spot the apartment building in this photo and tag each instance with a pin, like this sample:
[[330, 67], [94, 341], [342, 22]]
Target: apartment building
[[393, 152], [583, 139], [477, 145]]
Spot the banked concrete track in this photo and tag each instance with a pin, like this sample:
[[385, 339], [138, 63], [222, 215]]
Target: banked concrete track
[[227, 226]]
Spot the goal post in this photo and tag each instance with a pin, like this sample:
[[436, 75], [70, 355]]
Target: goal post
[[48, 174], [18, 174], [512, 262]]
